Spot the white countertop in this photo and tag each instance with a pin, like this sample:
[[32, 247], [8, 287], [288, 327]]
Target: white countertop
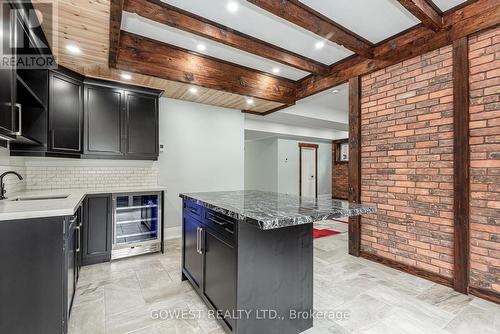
[[10, 210]]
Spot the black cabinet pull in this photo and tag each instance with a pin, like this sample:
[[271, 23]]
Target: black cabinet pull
[[217, 222]]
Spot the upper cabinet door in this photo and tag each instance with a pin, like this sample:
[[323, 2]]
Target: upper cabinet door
[[103, 121], [65, 114], [141, 125], [7, 75]]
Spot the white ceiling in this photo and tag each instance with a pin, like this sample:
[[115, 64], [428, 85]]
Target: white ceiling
[[253, 21], [444, 5], [324, 110], [374, 20], [141, 26]]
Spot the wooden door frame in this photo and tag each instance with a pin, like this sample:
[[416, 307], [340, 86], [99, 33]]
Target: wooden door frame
[[315, 147]]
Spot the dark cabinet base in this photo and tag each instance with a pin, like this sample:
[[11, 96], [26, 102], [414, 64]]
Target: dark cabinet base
[[33, 280], [266, 273]]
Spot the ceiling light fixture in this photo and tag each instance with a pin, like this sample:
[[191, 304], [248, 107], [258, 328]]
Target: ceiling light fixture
[[193, 90], [73, 49], [126, 76], [250, 101], [232, 7], [276, 70], [336, 91], [319, 45], [201, 47]]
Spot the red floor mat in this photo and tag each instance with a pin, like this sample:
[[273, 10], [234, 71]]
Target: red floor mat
[[323, 233]]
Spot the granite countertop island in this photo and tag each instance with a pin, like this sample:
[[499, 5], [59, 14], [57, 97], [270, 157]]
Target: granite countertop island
[[270, 210], [253, 250]]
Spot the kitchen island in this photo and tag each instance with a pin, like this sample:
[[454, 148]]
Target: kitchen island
[[249, 255]]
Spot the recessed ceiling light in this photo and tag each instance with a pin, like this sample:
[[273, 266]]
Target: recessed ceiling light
[[250, 101], [201, 47], [232, 6], [193, 90], [276, 70], [319, 45], [335, 91], [73, 49], [126, 76]]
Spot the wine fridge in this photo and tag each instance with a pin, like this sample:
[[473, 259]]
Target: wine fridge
[[137, 224]]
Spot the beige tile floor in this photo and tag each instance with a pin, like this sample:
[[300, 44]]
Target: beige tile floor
[[119, 297]]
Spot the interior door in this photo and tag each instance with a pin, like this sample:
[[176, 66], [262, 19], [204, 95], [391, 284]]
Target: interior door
[[308, 171]]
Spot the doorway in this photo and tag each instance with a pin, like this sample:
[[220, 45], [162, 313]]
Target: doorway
[[308, 170]]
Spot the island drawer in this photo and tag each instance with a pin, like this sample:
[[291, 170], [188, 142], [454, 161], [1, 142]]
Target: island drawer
[[193, 209], [221, 223]]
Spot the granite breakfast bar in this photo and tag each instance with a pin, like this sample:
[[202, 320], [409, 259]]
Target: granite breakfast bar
[[249, 255]]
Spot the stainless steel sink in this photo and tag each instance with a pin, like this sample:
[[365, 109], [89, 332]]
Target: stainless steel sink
[[39, 198]]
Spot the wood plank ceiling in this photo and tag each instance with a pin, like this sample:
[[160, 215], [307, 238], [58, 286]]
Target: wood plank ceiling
[[290, 49]]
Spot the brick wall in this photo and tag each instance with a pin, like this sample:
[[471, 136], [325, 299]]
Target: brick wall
[[340, 176], [484, 55], [407, 162]]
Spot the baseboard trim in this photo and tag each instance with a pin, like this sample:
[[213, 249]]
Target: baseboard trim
[[485, 294], [409, 269], [172, 232]]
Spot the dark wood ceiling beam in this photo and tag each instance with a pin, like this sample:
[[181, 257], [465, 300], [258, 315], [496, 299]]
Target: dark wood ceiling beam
[[422, 10], [163, 13], [305, 17], [115, 22], [475, 17], [146, 56]]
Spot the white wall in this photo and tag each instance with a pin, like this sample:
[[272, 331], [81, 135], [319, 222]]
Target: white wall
[[272, 164], [288, 167], [260, 164], [204, 151]]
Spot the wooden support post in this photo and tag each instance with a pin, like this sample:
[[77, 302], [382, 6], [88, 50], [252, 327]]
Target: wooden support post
[[461, 164], [355, 162]]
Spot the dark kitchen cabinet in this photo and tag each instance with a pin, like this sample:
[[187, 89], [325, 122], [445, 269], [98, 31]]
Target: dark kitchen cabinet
[[65, 114], [97, 227], [141, 125], [72, 244], [120, 121], [103, 121], [220, 272], [192, 256], [209, 258], [7, 76], [33, 287]]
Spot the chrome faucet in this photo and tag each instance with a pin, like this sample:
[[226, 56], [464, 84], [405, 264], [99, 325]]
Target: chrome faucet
[[2, 185]]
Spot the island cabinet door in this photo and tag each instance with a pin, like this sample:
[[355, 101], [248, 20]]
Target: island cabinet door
[[192, 257], [220, 273]]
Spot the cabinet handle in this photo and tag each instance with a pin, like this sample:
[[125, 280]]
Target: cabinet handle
[[201, 241], [217, 222], [73, 219], [20, 114], [198, 239], [78, 241]]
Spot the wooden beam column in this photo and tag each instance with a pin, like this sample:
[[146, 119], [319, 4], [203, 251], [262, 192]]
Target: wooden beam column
[[355, 162], [115, 22], [461, 164], [424, 12]]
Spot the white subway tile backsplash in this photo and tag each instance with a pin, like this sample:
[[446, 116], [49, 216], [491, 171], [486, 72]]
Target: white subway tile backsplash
[[95, 177]]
